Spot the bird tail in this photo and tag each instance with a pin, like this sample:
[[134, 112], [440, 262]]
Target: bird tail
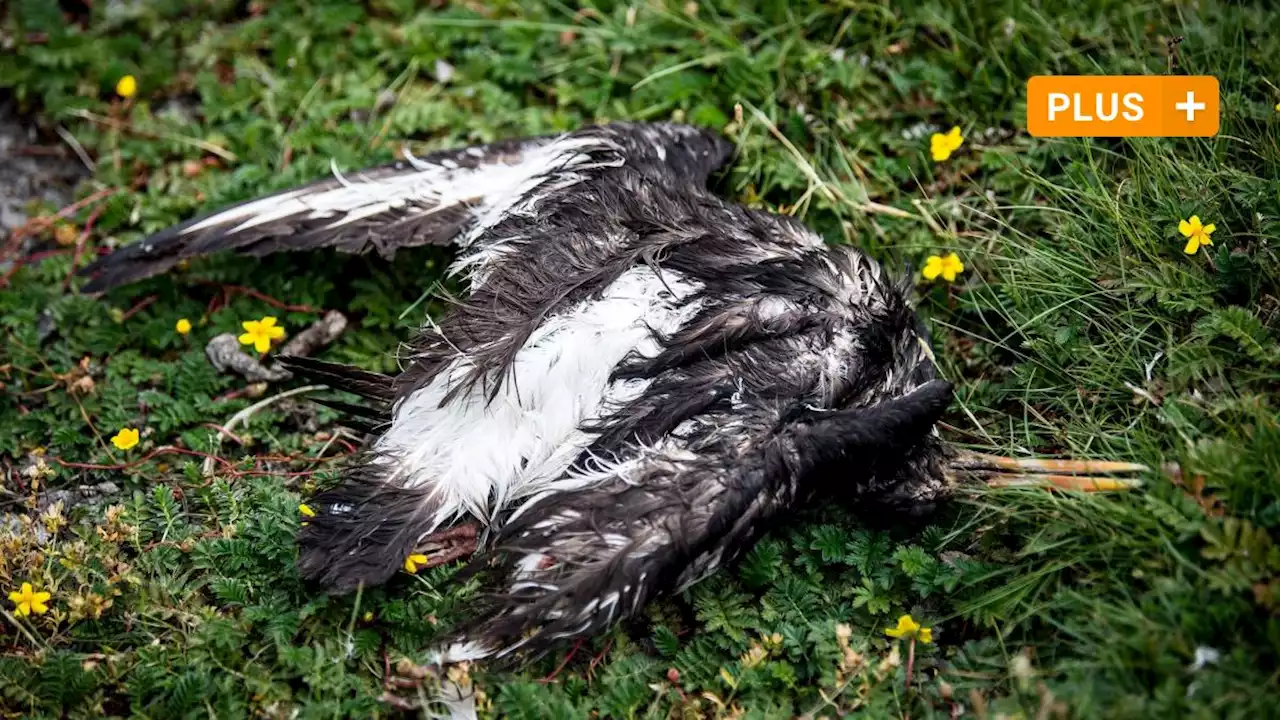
[[366, 526], [375, 389]]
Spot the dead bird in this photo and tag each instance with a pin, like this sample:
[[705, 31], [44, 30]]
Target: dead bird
[[642, 378]]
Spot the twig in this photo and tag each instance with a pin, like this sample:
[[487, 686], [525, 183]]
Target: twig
[[22, 628], [225, 353], [80, 242], [77, 147], [319, 334], [247, 413], [208, 147], [911, 662]]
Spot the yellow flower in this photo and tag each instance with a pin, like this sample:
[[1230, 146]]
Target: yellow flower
[[1277, 107], [126, 439], [127, 86], [260, 333], [183, 326], [412, 562], [948, 267], [27, 601], [941, 146], [306, 510], [1196, 234], [909, 628]]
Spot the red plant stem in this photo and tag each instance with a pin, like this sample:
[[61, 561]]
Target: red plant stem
[[36, 225], [599, 658], [563, 663], [80, 242], [224, 431], [139, 307], [163, 450], [228, 466], [259, 295], [234, 394], [29, 260]]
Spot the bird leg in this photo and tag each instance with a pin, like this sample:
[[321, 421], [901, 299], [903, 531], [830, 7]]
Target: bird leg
[[1085, 475], [451, 544], [451, 687]]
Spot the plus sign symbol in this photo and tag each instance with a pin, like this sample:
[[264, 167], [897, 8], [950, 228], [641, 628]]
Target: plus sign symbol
[[1190, 106]]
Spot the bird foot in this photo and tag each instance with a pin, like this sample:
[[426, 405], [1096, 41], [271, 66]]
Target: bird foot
[[1084, 475], [417, 687], [407, 676], [454, 543]]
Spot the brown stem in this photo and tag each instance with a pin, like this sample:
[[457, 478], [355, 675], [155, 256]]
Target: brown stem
[[911, 662]]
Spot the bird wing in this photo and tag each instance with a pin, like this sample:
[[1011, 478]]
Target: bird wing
[[433, 200], [620, 532]]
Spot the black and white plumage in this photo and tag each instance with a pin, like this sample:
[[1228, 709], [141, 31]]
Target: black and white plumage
[[641, 379]]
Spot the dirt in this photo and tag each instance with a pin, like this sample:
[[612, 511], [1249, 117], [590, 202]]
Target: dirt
[[34, 165]]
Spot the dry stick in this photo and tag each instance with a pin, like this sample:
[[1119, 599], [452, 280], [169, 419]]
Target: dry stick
[[22, 628], [911, 662], [208, 147], [247, 413], [77, 147]]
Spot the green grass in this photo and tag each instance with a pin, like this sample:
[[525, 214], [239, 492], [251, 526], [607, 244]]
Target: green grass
[[1079, 328]]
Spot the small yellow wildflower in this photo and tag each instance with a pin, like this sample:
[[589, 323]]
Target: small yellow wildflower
[[412, 562], [260, 333], [27, 601], [126, 439], [1277, 107], [183, 326], [948, 267], [306, 510], [1196, 234], [127, 86], [909, 628], [941, 146]]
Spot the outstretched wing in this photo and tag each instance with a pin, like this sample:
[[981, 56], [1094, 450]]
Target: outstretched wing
[[418, 201], [577, 560], [433, 200]]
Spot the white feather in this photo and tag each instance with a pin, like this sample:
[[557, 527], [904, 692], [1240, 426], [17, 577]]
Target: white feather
[[476, 456]]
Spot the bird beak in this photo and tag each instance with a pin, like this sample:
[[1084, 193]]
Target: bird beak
[[1081, 475]]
